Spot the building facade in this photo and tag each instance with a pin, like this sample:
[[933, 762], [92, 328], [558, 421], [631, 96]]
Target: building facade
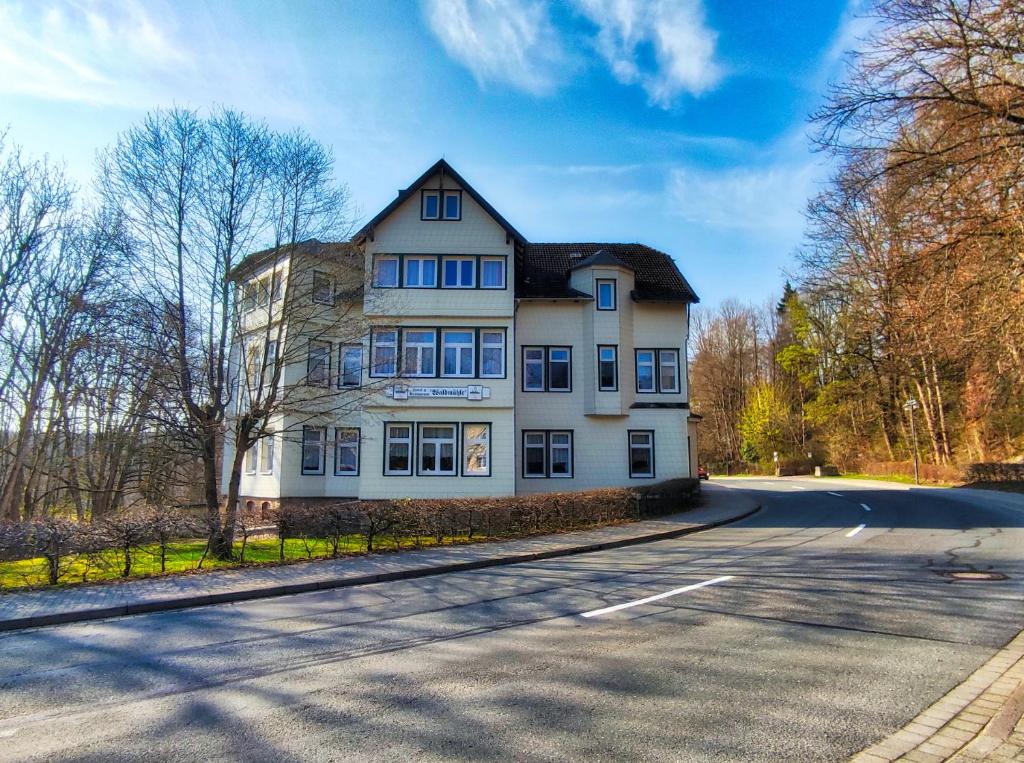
[[450, 357]]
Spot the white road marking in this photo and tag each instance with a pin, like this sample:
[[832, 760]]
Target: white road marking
[[866, 507], [797, 487], [855, 530], [656, 597], [837, 495]]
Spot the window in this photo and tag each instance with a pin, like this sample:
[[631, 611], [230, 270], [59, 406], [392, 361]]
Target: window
[[492, 273], [559, 369], [267, 454], [453, 205], [606, 294], [607, 368], [533, 369], [645, 381], [248, 291], [385, 272], [492, 354], [419, 348], [420, 272], [476, 450], [263, 292], [457, 352], [397, 449], [269, 369], [318, 363], [459, 272], [276, 286], [547, 454], [430, 208], [323, 292], [346, 451], [385, 352], [313, 449], [250, 458], [668, 370], [547, 369], [350, 365], [534, 449], [437, 449], [641, 453]]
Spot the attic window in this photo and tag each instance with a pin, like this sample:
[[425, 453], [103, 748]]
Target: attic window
[[431, 205], [441, 205]]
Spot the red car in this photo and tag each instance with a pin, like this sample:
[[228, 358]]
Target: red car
[[702, 473]]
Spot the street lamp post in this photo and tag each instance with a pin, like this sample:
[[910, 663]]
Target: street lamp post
[[910, 406]]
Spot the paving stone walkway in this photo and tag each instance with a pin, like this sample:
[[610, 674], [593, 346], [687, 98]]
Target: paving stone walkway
[[72, 603], [979, 720]]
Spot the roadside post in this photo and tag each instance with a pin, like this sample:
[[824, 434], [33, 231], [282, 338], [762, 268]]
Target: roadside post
[[910, 406]]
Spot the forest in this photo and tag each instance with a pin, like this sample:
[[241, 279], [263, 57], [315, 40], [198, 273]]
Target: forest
[[909, 283]]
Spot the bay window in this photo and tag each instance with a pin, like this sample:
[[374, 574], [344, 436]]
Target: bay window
[[250, 458], [436, 449], [457, 349], [607, 368], [606, 294], [267, 454]]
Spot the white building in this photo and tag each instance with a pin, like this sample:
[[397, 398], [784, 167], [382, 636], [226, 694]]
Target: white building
[[472, 362]]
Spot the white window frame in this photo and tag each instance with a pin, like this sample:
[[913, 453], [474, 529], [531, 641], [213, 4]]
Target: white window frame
[[568, 369], [391, 439], [422, 442], [673, 363], [460, 348], [500, 261], [459, 284], [382, 258], [344, 353], [542, 446], [251, 457], [327, 349], [324, 283], [567, 447], [613, 288], [485, 346], [601, 349], [267, 447], [653, 363], [423, 205], [276, 285], [376, 343], [541, 361], [470, 443], [320, 444], [457, 195], [263, 291], [648, 446], [269, 367], [423, 350], [342, 444], [407, 282]]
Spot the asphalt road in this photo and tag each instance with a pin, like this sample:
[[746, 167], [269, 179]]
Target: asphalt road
[[813, 640]]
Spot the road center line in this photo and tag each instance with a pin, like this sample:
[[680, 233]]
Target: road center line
[[656, 597], [837, 495], [866, 507], [855, 530]]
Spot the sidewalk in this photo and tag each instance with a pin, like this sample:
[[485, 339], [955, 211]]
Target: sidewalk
[[67, 604], [979, 720]]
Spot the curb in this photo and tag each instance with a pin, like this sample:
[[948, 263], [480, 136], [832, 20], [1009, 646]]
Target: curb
[[206, 600]]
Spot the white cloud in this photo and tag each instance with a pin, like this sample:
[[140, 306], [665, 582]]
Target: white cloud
[[674, 32], [507, 41], [768, 200]]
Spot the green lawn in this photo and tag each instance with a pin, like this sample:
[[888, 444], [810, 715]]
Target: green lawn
[[904, 479], [185, 555]]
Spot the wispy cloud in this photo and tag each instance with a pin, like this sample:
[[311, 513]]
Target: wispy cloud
[[504, 41], [674, 31]]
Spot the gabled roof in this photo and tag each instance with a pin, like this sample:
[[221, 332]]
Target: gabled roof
[[545, 269], [310, 246], [601, 257], [443, 167]]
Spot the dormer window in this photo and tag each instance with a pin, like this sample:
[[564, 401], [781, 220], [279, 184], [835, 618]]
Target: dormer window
[[441, 205]]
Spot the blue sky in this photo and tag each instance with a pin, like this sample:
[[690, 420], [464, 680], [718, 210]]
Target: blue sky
[[676, 123]]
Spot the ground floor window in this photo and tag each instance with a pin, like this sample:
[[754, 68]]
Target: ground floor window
[[641, 453], [547, 453], [398, 449], [346, 451], [267, 455], [476, 450], [313, 441], [437, 449]]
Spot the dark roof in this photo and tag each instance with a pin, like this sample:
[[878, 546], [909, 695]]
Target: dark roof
[[310, 246], [601, 257], [545, 268], [440, 166]]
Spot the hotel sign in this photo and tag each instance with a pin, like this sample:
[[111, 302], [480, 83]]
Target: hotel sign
[[472, 392]]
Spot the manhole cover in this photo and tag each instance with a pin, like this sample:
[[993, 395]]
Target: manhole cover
[[974, 575]]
